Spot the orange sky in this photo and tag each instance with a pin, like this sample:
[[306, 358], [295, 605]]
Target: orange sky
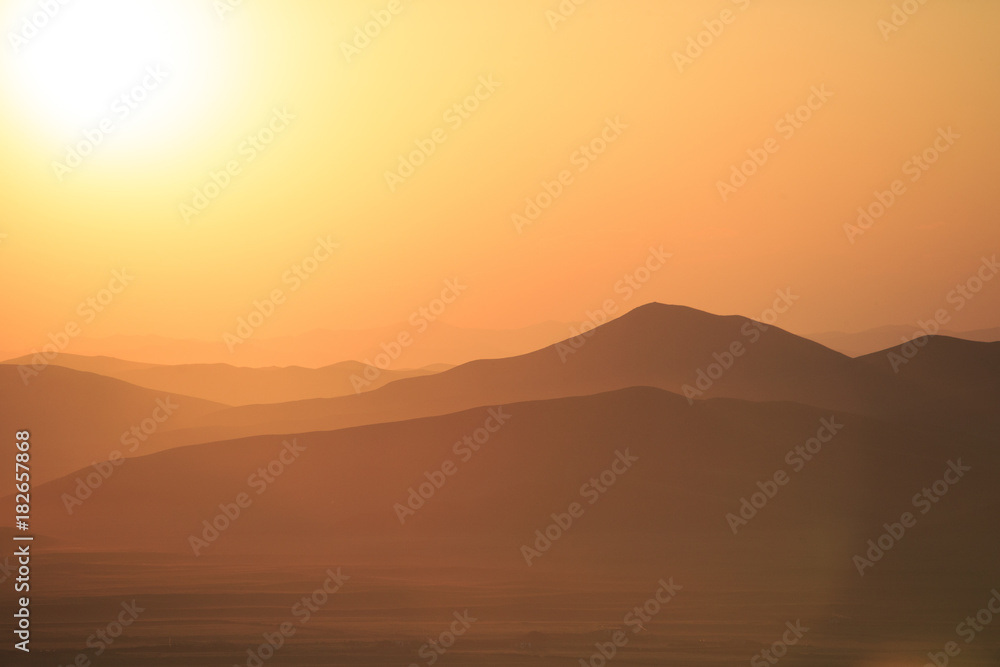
[[535, 90]]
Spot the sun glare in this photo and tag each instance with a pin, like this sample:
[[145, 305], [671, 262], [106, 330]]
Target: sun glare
[[111, 65]]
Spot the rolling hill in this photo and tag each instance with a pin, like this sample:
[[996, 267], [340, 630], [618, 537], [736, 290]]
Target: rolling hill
[[675, 348], [679, 472], [78, 418]]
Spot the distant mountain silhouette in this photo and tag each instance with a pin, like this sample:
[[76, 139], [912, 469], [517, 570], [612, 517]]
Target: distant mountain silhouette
[[434, 342], [234, 385], [873, 340]]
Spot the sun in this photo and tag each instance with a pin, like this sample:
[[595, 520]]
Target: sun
[[102, 67]]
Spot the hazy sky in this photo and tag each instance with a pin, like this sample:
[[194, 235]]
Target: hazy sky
[[175, 89]]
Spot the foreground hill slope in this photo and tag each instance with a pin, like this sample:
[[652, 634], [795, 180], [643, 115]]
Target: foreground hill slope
[[681, 470]]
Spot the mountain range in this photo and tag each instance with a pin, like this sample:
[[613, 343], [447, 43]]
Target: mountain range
[[667, 442]]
